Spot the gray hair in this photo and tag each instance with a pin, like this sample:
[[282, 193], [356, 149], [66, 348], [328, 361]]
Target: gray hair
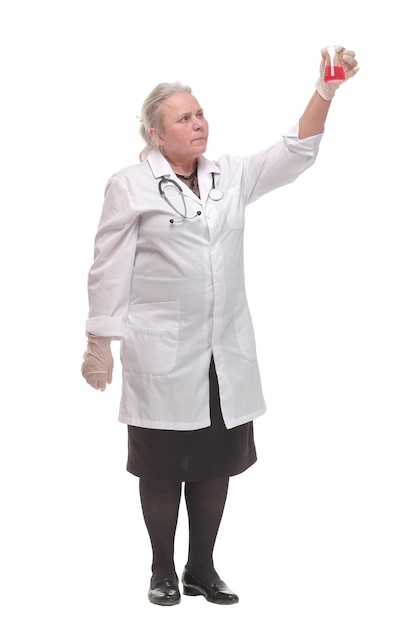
[[151, 116]]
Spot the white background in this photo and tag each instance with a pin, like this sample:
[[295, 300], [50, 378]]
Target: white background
[[322, 530]]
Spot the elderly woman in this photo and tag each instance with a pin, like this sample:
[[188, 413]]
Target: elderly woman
[[168, 282]]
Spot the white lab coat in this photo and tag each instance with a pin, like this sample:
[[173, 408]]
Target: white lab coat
[[175, 293]]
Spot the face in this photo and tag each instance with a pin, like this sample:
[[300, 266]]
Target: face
[[185, 129]]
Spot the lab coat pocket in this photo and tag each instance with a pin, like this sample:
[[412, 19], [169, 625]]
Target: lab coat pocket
[[244, 328], [151, 341]]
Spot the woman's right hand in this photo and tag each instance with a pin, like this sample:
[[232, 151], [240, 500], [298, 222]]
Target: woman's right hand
[[97, 367]]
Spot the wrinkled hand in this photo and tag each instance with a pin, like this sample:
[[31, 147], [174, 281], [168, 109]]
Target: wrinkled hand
[[349, 64], [97, 367]]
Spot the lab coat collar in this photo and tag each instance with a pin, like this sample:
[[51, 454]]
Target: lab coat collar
[[160, 166]]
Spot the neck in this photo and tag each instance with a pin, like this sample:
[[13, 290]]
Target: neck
[[187, 176], [184, 171], [184, 168]]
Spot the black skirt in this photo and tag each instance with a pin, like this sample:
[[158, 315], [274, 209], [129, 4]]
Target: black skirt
[[192, 455]]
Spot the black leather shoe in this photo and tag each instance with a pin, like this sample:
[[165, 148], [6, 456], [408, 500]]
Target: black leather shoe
[[217, 591], [164, 592]]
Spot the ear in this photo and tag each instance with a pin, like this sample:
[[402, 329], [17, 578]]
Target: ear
[[156, 137]]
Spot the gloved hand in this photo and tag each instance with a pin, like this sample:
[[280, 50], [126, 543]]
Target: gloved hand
[[97, 367], [349, 64]]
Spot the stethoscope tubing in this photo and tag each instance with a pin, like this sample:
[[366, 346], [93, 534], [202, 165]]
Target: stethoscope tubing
[[214, 194]]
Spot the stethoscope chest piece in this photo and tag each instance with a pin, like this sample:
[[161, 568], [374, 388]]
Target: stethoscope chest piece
[[215, 194]]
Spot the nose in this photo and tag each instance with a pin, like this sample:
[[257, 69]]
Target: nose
[[197, 123]]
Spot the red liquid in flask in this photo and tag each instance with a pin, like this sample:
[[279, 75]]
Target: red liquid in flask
[[334, 74]]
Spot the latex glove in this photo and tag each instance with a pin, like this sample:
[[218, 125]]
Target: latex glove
[[349, 64], [97, 367]]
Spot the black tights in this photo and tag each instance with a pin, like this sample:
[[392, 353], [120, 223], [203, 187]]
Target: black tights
[[205, 501]]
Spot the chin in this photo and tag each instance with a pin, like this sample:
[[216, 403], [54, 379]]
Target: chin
[[201, 148]]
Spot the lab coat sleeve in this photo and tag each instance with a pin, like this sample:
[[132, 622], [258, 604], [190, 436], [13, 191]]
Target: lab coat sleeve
[[114, 254], [280, 164]]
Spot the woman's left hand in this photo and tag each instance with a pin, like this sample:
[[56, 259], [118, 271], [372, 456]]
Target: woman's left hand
[[350, 67]]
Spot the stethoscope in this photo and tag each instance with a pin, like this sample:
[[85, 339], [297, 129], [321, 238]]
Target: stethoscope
[[214, 194]]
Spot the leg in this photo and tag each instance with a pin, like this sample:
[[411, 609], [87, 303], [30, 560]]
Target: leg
[[160, 505], [205, 505]]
